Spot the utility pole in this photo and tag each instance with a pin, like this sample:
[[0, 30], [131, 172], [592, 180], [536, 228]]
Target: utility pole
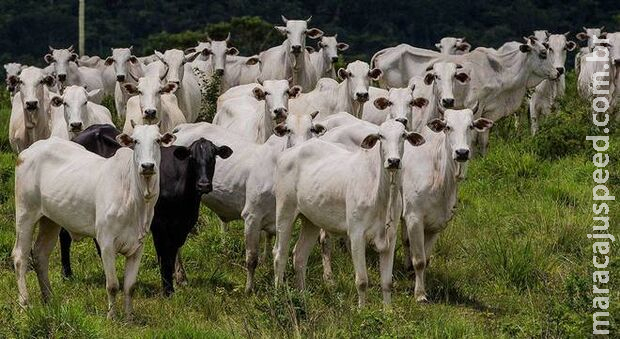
[[81, 35]]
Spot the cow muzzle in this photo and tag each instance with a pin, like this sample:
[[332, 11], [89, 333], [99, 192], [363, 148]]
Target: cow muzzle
[[120, 78], [334, 60], [76, 127], [219, 72], [296, 49], [204, 187], [393, 163], [32, 105], [560, 70], [361, 96], [62, 77], [461, 155], [150, 114], [447, 102], [280, 114], [147, 169], [617, 62]]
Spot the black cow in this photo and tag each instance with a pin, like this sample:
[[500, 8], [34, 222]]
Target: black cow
[[185, 175]]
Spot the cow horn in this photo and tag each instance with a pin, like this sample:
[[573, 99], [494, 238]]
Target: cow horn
[[284, 19], [228, 37], [51, 48], [310, 18], [567, 33], [336, 36], [208, 38], [602, 28], [584, 28], [131, 48], [133, 76], [475, 108], [165, 73], [463, 39], [70, 48]]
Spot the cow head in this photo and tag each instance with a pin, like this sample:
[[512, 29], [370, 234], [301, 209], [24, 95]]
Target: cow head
[[201, 155], [444, 76], [391, 139], [557, 46], [149, 90], [60, 59], [30, 84], [299, 128], [296, 32], [218, 51], [459, 127], [614, 47], [202, 45], [400, 103], [453, 46], [589, 34], [541, 35], [12, 73], [358, 76], [174, 60], [329, 46], [146, 142], [74, 99], [276, 94], [538, 60], [121, 58]]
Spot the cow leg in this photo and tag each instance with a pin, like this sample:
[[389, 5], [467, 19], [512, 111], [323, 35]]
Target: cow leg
[[286, 213], [132, 264], [65, 253], [24, 227], [358, 254], [326, 256], [483, 139], [307, 238], [179, 271], [252, 247], [533, 117], [108, 257], [43, 246], [268, 246], [386, 266], [429, 242], [166, 254], [223, 226], [415, 229], [406, 253]]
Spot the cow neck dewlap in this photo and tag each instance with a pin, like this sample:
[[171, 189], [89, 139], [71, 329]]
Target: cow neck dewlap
[[142, 193]]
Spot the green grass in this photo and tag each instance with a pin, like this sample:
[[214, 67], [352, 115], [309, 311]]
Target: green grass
[[514, 262]]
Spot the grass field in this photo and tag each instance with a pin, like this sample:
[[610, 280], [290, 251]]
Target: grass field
[[514, 262]]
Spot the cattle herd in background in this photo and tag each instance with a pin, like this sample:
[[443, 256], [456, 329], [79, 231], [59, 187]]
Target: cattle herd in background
[[294, 138]]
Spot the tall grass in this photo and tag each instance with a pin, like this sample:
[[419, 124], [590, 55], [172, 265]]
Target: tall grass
[[514, 262]]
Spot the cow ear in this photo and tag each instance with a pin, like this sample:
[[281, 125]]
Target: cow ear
[[181, 152], [314, 114], [570, 45], [462, 77], [224, 152], [109, 61], [482, 124], [375, 74], [170, 87], [438, 46], [280, 130], [281, 29], [370, 141], [343, 73], [131, 88], [437, 125], [57, 101], [582, 36], [314, 33], [464, 46], [48, 58], [310, 49], [419, 102], [429, 78], [74, 57], [167, 139], [318, 129], [190, 50], [415, 139], [192, 57], [159, 55], [294, 91], [133, 59], [232, 51], [342, 46], [125, 140], [381, 103], [259, 94], [525, 48], [253, 60], [93, 93], [49, 80], [12, 80]]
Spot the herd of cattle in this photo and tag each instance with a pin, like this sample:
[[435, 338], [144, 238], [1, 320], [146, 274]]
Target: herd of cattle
[[346, 158]]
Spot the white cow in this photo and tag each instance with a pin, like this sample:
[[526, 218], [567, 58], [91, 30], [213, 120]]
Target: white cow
[[401, 63], [29, 120], [397, 104], [614, 46], [127, 68], [243, 185], [12, 72], [353, 193], [78, 112], [255, 116], [107, 74], [179, 71], [152, 103], [453, 46], [323, 60], [587, 35], [546, 93], [430, 180], [69, 73], [58, 182], [291, 59], [330, 97]]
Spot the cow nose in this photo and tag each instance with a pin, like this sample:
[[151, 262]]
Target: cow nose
[[447, 102], [402, 121], [204, 187], [150, 113], [32, 105], [219, 72], [296, 49], [148, 167], [462, 154], [617, 62], [334, 60], [362, 96], [62, 77], [76, 126], [280, 112], [393, 163], [120, 78], [560, 70]]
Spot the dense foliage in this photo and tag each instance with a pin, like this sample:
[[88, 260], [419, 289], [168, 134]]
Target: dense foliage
[[27, 27]]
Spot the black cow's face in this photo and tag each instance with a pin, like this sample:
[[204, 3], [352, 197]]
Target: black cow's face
[[203, 153]]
